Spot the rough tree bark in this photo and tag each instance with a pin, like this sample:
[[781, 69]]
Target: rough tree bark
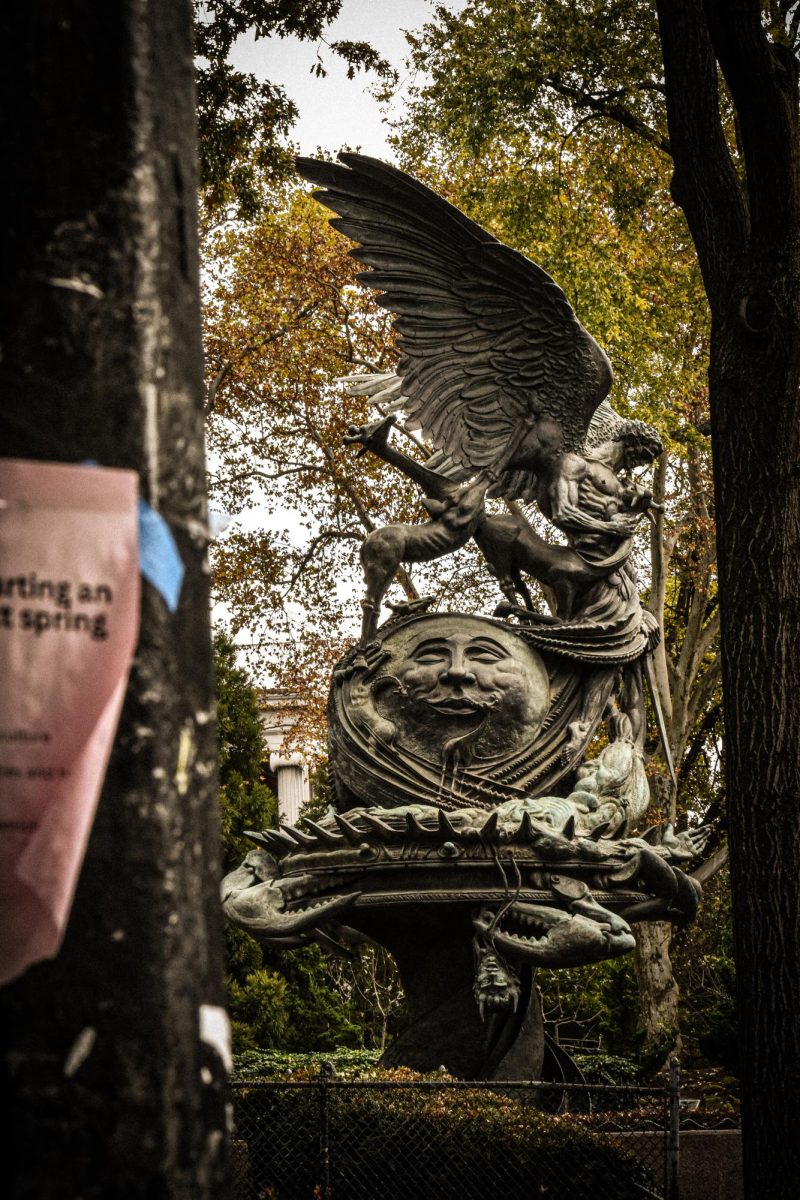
[[747, 235], [113, 1092], [686, 686]]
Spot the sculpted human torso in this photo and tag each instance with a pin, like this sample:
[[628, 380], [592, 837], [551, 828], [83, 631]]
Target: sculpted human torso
[[585, 494]]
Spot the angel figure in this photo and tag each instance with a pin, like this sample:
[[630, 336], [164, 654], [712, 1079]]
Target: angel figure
[[581, 494], [500, 377]]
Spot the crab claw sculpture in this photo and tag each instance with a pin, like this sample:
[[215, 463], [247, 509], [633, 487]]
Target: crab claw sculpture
[[435, 889], [581, 932], [252, 897]]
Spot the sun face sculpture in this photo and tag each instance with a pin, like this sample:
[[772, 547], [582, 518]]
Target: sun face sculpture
[[451, 709], [459, 690], [471, 833]]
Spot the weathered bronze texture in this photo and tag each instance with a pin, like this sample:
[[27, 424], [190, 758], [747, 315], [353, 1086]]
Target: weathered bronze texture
[[471, 834]]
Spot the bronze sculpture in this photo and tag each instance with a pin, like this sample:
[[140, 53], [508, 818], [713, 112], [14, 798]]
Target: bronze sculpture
[[471, 835]]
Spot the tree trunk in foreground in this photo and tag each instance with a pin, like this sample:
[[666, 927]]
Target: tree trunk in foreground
[[747, 236], [113, 1092]]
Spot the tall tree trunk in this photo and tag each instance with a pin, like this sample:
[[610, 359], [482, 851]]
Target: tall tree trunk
[[756, 406], [658, 993], [112, 1056], [748, 242]]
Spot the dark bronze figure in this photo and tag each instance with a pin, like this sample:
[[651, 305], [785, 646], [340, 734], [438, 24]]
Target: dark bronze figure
[[471, 833]]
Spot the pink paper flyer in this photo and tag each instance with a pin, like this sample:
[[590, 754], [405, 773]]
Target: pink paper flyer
[[69, 614]]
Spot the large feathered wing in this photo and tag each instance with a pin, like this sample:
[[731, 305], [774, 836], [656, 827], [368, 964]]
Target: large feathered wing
[[486, 337]]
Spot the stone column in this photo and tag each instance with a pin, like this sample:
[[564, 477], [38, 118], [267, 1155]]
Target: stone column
[[293, 790]]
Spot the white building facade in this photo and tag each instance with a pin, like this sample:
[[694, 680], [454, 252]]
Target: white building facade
[[279, 712]]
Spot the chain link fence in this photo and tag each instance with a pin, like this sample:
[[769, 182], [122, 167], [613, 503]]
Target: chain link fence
[[329, 1139]]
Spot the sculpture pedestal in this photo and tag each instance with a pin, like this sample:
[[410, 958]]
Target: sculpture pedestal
[[434, 955], [468, 904]]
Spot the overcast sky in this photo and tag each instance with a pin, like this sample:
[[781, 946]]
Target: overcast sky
[[334, 111], [337, 111]]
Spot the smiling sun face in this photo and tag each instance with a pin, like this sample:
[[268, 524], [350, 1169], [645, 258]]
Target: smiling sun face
[[462, 673]]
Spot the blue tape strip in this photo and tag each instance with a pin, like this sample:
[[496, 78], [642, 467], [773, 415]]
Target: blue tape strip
[[159, 560]]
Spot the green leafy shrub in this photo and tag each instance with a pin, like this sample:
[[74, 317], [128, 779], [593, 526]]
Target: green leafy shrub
[[601, 1068], [246, 801], [719, 1042], [277, 1064], [598, 1001], [432, 1144], [613, 1070], [259, 1007], [276, 999]]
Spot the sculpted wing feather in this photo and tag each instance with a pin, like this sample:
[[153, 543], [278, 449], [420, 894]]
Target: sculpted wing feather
[[486, 337], [604, 425]]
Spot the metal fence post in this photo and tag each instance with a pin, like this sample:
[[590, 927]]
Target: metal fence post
[[673, 1135], [326, 1073]]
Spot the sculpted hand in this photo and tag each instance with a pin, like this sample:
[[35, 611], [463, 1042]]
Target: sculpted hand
[[687, 845], [625, 523]]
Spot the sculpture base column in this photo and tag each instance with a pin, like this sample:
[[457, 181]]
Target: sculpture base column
[[434, 956]]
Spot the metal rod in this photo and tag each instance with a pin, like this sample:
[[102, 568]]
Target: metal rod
[[324, 1083], [674, 1129], [658, 713]]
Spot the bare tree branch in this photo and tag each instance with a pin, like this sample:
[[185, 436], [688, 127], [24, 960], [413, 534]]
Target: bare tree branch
[[326, 535], [214, 386], [259, 344], [607, 105], [714, 863], [699, 740], [255, 473], [762, 76]]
